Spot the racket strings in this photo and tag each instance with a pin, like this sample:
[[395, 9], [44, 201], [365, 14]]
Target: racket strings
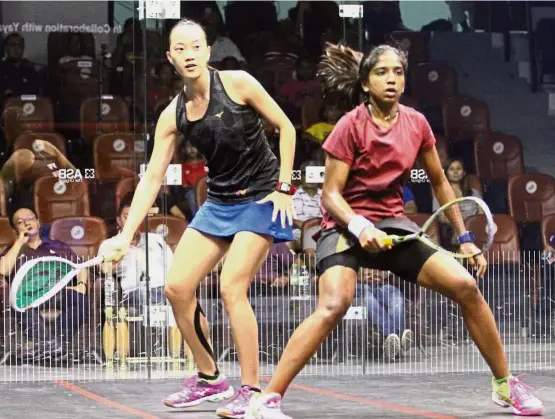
[[40, 279]]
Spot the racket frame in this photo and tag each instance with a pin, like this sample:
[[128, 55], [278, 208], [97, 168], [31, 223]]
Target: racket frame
[[491, 229], [61, 284]]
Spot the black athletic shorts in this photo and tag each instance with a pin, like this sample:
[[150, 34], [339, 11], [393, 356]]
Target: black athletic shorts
[[337, 247]]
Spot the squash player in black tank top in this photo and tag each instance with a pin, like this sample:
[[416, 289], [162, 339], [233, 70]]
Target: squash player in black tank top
[[249, 207]]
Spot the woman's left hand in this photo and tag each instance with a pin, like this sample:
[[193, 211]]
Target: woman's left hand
[[478, 262], [283, 204]]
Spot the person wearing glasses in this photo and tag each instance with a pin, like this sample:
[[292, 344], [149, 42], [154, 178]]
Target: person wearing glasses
[[50, 327]]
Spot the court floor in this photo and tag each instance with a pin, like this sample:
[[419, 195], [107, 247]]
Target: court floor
[[440, 396]]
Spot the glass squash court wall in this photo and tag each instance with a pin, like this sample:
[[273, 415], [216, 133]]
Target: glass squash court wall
[[98, 98]]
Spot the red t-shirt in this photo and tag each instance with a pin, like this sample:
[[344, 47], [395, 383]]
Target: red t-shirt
[[191, 172], [379, 158]]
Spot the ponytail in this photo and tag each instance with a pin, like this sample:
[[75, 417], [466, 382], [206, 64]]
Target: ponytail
[[338, 73]]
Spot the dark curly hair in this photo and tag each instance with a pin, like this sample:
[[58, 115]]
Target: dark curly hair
[[342, 70]]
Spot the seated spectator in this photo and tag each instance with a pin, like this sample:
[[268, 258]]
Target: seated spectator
[[286, 44], [319, 131], [409, 201], [163, 84], [307, 205], [302, 84], [21, 161], [131, 270], [17, 75], [456, 175], [221, 46], [50, 327], [386, 311], [76, 49], [275, 270], [193, 168]]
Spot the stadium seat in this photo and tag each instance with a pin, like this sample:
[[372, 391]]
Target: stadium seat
[[531, 198], [123, 187], [27, 113], [42, 161], [7, 233], [117, 155], [506, 246], [433, 83], [171, 227], [498, 156], [56, 199], [83, 234], [548, 228], [115, 116], [465, 120]]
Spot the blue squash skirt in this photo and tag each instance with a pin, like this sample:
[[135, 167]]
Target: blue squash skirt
[[226, 220]]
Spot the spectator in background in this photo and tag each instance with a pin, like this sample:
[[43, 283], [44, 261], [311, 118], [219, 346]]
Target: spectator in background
[[456, 175], [409, 201], [193, 168], [76, 49], [221, 46], [386, 311], [48, 327], [132, 268], [318, 132], [17, 74], [301, 85], [275, 270], [286, 44], [18, 166], [307, 205], [313, 19], [162, 86]]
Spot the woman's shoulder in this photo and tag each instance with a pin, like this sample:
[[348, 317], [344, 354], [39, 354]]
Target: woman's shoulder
[[411, 113]]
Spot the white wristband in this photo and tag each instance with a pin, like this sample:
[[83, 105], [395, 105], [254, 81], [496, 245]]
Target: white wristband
[[358, 224]]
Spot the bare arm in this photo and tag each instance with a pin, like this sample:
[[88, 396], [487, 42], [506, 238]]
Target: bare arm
[[150, 183], [442, 189], [7, 262], [254, 94]]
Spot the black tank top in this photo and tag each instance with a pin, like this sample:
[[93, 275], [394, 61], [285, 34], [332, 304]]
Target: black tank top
[[241, 165]]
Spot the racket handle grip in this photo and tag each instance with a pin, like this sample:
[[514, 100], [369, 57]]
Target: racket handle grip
[[389, 240]]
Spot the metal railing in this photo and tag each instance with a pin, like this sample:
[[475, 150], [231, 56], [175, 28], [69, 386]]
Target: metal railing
[[104, 335]]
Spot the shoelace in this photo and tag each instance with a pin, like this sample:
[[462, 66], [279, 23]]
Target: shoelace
[[190, 383], [242, 392], [521, 389]]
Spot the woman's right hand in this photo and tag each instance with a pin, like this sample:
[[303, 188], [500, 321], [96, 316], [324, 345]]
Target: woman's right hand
[[115, 249], [370, 240]]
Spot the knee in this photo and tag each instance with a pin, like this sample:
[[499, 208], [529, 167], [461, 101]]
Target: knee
[[233, 290], [332, 309], [466, 291], [176, 292]]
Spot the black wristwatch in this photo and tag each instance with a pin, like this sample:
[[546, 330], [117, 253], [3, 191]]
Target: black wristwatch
[[466, 237], [286, 188]]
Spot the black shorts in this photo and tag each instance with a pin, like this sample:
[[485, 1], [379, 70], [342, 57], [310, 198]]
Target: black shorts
[[337, 247]]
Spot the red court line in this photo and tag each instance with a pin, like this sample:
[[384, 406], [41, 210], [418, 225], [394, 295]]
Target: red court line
[[375, 403], [104, 401]]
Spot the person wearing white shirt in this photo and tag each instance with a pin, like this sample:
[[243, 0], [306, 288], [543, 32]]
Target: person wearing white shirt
[[307, 203], [131, 270]]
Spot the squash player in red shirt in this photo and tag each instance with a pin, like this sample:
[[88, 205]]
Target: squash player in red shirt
[[368, 153]]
